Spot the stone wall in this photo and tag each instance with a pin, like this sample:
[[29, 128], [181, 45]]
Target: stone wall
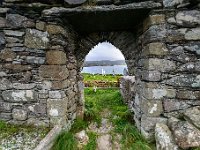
[[37, 71], [42, 54]]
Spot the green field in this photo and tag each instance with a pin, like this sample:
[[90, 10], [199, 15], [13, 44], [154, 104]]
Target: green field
[[98, 77], [121, 118]]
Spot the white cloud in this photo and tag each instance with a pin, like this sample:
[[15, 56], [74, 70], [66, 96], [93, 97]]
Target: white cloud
[[104, 51]]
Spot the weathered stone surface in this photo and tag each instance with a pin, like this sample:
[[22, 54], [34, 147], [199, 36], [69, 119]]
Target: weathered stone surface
[[82, 138], [17, 67], [5, 107], [174, 105], [5, 84], [162, 65], [2, 39], [104, 142], [57, 94], [164, 138], [55, 29], [184, 81], [16, 20], [14, 33], [172, 3], [41, 25], [152, 108], [186, 135], [186, 94], [75, 2], [157, 48], [13, 40], [19, 95], [38, 123], [155, 33], [148, 126], [6, 116], [36, 39], [153, 20], [21, 86], [7, 55], [2, 22], [193, 34], [151, 75], [56, 57], [57, 107], [188, 18], [35, 60], [38, 109], [193, 47], [53, 72], [19, 114], [192, 115]]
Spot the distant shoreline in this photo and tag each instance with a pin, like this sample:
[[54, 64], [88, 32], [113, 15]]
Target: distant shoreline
[[104, 63]]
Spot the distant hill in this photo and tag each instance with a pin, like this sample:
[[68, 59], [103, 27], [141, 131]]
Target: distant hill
[[104, 63]]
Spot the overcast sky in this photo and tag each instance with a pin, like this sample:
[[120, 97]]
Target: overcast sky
[[104, 51]]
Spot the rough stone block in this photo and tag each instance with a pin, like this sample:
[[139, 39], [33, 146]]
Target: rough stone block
[[14, 33], [57, 94], [20, 95], [157, 48], [186, 95], [2, 39], [155, 33], [19, 114], [189, 18], [21, 86], [6, 116], [5, 84], [189, 80], [2, 22], [36, 39], [151, 75], [41, 25], [17, 67], [153, 20], [185, 134], [57, 107], [5, 107], [56, 57], [152, 108], [192, 115], [193, 34], [18, 21], [164, 138], [174, 105], [161, 65], [53, 72], [56, 29]]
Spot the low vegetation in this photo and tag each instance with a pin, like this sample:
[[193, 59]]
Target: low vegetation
[[95, 103], [99, 77]]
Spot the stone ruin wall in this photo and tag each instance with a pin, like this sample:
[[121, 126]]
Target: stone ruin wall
[[41, 58]]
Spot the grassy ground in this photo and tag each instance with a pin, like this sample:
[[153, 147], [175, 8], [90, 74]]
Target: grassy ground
[[120, 117], [98, 77], [20, 137]]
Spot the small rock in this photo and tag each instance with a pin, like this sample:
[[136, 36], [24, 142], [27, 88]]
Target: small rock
[[19, 114], [104, 142], [82, 137]]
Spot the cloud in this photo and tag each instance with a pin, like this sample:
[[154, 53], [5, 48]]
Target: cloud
[[104, 51]]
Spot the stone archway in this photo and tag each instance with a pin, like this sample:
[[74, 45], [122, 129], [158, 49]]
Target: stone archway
[[42, 51]]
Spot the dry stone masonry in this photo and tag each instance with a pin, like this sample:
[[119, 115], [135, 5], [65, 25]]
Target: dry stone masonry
[[43, 45]]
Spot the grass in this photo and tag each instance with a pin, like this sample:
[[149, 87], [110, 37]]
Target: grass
[[98, 77], [95, 103]]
